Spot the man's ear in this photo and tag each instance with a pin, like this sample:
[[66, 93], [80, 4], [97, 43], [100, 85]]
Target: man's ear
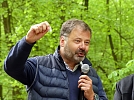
[[62, 41]]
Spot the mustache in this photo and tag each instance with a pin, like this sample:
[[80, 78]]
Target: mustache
[[81, 51]]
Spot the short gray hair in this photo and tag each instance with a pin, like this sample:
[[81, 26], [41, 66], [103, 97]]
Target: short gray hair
[[69, 25]]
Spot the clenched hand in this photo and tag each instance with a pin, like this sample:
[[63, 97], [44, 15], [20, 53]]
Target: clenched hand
[[37, 31]]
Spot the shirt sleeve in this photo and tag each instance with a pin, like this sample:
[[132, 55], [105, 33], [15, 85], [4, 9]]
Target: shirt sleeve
[[117, 95], [101, 94], [17, 64]]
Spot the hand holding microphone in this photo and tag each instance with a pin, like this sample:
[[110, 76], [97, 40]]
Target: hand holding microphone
[[85, 84]]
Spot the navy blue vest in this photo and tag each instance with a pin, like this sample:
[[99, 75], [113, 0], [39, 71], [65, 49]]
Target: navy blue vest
[[51, 82]]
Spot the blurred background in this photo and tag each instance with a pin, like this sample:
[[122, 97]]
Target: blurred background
[[112, 45]]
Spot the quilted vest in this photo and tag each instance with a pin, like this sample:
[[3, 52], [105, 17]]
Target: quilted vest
[[51, 82]]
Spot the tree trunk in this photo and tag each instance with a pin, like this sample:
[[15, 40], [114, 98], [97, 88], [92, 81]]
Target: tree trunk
[[86, 4], [109, 36], [6, 19], [16, 93], [7, 30], [120, 31], [1, 93]]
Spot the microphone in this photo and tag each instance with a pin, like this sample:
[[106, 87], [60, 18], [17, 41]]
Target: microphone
[[84, 70]]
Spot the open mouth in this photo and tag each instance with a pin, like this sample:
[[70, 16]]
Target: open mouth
[[81, 54]]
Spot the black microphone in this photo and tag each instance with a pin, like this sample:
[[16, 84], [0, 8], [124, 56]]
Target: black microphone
[[84, 70]]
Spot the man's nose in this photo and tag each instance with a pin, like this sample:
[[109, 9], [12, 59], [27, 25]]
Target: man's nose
[[82, 46]]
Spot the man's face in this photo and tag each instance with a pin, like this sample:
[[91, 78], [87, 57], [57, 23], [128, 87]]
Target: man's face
[[76, 45]]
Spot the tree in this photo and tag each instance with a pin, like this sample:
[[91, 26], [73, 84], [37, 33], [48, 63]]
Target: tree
[[112, 45]]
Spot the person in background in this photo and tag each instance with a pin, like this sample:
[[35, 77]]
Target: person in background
[[125, 88], [56, 76]]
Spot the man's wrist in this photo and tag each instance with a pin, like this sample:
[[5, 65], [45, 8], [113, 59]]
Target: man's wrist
[[96, 97], [92, 97]]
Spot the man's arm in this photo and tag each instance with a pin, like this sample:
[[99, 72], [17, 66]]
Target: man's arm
[[101, 93], [117, 95], [16, 64]]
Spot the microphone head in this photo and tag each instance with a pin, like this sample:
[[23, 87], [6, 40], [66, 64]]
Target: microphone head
[[85, 68]]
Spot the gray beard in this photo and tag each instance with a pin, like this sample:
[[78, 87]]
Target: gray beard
[[70, 56]]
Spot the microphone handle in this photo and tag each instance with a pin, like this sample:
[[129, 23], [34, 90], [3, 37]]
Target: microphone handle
[[81, 95], [84, 71]]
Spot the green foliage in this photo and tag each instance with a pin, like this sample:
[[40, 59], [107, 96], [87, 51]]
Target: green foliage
[[114, 19], [117, 75], [123, 72]]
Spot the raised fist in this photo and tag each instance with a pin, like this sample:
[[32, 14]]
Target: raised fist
[[37, 31]]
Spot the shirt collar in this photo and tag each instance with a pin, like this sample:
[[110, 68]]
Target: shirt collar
[[75, 68]]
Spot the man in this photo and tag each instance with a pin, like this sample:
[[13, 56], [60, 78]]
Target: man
[[56, 76], [125, 89]]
